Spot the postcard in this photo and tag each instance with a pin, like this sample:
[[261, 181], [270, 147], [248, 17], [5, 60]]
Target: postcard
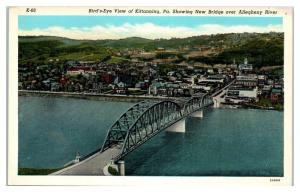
[[132, 96]]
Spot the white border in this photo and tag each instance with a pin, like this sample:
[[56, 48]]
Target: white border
[[14, 179], [75, 2]]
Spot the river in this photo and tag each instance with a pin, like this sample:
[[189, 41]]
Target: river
[[226, 142]]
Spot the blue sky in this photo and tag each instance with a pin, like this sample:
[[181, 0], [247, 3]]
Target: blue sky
[[31, 22], [114, 27]]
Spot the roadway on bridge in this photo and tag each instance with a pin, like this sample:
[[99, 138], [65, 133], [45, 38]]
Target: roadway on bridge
[[91, 166], [217, 96]]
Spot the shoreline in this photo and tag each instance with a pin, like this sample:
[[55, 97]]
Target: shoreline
[[121, 98], [249, 106], [90, 96], [36, 171]]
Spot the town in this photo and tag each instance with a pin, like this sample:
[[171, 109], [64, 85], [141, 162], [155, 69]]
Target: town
[[161, 72]]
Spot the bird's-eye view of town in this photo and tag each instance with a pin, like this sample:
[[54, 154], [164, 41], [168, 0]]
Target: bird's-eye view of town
[[150, 96]]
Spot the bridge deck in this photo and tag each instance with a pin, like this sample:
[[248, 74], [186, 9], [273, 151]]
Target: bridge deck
[[91, 166]]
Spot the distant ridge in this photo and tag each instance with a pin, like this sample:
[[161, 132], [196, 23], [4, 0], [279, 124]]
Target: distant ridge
[[261, 49]]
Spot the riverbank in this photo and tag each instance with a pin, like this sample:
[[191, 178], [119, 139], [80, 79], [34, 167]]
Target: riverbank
[[257, 106], [90, 96], [36, 171], [252, 106], [134, 98]]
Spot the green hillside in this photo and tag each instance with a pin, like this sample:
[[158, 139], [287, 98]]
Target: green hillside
[[265, 49]]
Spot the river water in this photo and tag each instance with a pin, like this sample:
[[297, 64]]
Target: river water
[[226, 142]]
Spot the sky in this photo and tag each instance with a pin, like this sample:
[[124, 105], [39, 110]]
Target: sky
[[151, 27]]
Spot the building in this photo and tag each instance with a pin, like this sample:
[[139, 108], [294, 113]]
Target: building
[[107, 78], [249, 80], [266, 89], [155, 86], [238, 94], [262, 80], [245, 67], [121, 88], [204, 81], [80, 70], [55, 86], [170, 89], [202, 88], [276, 95], [142, 84], [210, 71], [71, 63], [144, 55]]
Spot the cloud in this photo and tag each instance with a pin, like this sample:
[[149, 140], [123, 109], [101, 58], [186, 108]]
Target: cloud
[[146, 30]]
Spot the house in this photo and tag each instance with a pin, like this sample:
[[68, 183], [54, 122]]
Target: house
[[262, 79], [276, 95], [127, 79], [210, 71], [107, 78], [63, 81], [80, 70], [153, 88], [233, 66], [142, 84], [266, 89], [270, 82], [55, 86], [121, 88], [171, 73]]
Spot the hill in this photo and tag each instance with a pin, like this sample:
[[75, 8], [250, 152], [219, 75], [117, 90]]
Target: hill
[[261, 49]]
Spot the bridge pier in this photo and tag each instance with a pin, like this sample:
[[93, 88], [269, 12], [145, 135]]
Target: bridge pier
[[216, 103], [121, 167], [197, 114], [178, 127]]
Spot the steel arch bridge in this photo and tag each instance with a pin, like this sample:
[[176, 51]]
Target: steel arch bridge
[[146, 119]]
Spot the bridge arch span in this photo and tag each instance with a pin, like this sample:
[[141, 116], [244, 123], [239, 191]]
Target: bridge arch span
[[146, 119], [139, 123], [196, 102]]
